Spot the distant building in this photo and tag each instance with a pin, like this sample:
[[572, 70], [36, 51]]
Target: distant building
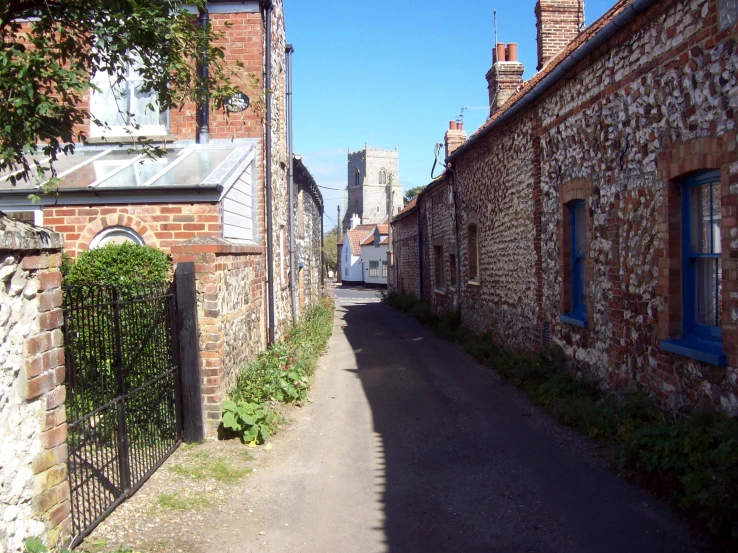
[[371, 176], [362, 254], [374, 256]]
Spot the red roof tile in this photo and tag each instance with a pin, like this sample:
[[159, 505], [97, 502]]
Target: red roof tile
[[357, 234], [407, 209]]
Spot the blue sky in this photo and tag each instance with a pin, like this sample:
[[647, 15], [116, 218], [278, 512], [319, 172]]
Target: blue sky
[[393, 74]]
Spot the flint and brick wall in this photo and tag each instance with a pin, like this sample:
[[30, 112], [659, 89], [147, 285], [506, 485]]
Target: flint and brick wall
[[34, 489], [280, 168], [438, 225], [403, 273], [653, 105], [660, 105], [308, 245], [495, 193], [231, 314]]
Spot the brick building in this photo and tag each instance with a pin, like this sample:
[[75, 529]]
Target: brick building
[[206, 201], [596, 208]]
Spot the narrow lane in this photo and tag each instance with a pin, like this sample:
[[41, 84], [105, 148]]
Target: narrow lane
[[410, 446]]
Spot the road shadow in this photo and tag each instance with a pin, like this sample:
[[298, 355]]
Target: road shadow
[[470, 465]]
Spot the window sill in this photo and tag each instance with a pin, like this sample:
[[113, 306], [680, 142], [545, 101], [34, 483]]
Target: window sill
[[440, 291], [574, 320], [701, 350], [475, 282]]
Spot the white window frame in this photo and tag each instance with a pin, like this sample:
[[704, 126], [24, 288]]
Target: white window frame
[[374, 269], [105, 81], [116, 231]]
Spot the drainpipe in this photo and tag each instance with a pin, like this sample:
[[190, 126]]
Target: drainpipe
[[271, 300], [291, 193], [203, 134]]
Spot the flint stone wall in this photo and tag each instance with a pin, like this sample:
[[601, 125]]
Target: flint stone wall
[[438, 223], [621, 130], [495, 186], [34, 490], [403, 274], [618, 123], [231, 314]]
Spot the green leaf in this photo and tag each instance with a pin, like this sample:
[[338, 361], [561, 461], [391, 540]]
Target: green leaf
[[265, 433], [251, 434], [230, 421], [249, 420], [228, 405], [35, 545]]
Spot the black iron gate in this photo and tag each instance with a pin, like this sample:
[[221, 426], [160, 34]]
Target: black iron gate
[[123, 393]]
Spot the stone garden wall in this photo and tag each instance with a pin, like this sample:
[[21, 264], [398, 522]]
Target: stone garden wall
[[231, 314], [34, 489]]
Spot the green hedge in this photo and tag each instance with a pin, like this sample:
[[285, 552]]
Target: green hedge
[[121, 265]]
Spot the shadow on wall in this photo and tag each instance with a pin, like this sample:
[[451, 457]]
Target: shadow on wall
[[470, 466]]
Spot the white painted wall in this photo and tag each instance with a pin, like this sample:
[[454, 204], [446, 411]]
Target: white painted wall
[[372, 253], [238, 207], [350, 264]]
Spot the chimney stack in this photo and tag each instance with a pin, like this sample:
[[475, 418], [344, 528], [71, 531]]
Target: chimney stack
[[505, 76], [355, 220], [558, 22], [455, 136]]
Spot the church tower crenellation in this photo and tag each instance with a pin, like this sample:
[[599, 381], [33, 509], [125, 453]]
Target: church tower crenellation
[[371, 175]]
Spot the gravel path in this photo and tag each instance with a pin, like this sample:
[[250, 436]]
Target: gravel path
[[407, 446]]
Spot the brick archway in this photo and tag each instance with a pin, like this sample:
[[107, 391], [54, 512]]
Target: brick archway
[[115, 220]]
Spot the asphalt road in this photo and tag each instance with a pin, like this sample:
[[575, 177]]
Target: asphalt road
[[410, 446], [346, 295]]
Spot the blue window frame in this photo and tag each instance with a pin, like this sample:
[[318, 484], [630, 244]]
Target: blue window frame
[[702, 281], [579, 259], [578, 314], [702, 263]]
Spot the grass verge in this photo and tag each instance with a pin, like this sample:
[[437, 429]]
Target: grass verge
[[690, 459]]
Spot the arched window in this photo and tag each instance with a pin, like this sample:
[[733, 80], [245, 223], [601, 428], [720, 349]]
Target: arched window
[[382, 176], [357, 178], [116, 235]]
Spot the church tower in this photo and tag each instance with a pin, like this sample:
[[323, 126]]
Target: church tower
[[372, 174]]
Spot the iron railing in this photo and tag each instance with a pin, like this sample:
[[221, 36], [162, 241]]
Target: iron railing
[[123, 393]]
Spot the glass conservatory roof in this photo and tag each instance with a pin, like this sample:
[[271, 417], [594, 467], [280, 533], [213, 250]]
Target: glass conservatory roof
[[118, 167]]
